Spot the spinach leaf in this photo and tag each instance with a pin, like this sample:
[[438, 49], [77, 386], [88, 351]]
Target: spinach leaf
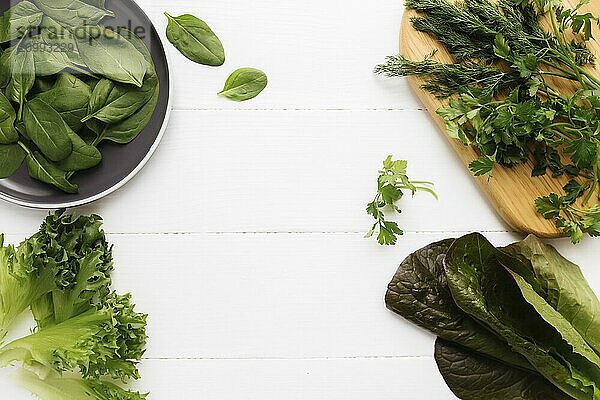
[[84, 156], [17, 20], [22, 77], [11, 158], [125, 131], [70, 97], [61, 38], [483, 284], [112, 103], [244, 84], [106, 53], [195, 40], [73, 13], [5, 67], [44, 171], [48, 130], [47, 63], [419, 293], [8, 134], [472, 376], [563, 286]]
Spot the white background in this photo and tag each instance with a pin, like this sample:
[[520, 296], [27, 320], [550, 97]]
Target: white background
[[243, 237]]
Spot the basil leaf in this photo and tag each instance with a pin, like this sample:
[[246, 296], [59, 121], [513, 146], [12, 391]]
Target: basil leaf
[[48, 130], [120, 102], [484, 285], [419, 292], [69, 96], [472, 376], [244, 84], [8, 134], [73, 13], [106, 53], [84, 156], [17, 20], [22, 77], [44, 171], [563, 286], [195, 40], [11, 158]]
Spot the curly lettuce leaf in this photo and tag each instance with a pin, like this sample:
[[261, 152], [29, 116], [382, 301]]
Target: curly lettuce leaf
[[106, 341], [21, 283], [57, 388], [472, 376], [482, 281], [74, 247], [562, 285], [419, 292]]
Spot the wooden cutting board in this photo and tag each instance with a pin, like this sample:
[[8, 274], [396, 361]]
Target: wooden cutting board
[[512, 191]]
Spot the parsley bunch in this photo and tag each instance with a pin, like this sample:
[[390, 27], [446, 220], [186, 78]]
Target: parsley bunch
[[391, 184], [503, 98]]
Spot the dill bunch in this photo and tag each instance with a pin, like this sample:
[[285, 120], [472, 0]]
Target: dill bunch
[[502, 94]]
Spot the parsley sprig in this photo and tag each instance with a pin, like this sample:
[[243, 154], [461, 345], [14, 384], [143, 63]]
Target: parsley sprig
[[503, 97], [391, 185]]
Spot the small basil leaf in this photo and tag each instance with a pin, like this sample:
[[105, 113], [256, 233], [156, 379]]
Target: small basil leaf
[[48, 130], [83, 156], [73, 13], [8, 134], [195, 40], [44, 171], [472, 376], [69, 96], [17, 20], [112, 103], [11, 158], [244, 84], [106, 53], [22, 77]]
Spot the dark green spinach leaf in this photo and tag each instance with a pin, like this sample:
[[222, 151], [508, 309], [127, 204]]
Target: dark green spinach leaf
[[22, 77], [11, 158], [19, 19], [244, 84], [70, 97], [106, 53], [195, 40], [44, 171], [73, 13], [8, 134], [48, 130], [84, 156]]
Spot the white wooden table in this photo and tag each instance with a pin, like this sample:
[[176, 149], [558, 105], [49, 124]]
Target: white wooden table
[[243, 236]]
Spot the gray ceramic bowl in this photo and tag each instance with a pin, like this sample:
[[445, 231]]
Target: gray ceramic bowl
[[120, 162]]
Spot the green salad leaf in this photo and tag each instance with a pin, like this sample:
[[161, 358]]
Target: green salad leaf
[[472, 376], [195, 40], [419, 292], [244, 84], [484, 283]]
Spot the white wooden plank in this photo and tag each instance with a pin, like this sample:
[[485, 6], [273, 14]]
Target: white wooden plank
[[307, 171], [317, 54], [277, 296], [335, 379]]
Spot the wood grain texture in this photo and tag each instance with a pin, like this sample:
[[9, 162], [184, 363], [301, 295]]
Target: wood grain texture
[[512, 191]]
